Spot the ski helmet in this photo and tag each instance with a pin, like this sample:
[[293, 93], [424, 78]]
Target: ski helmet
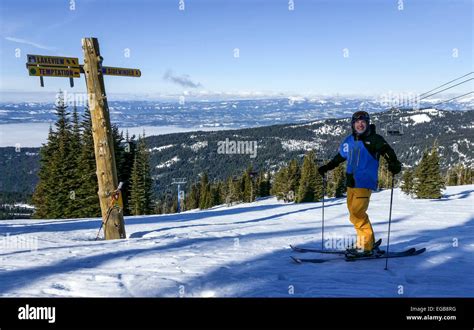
[[360, 115]]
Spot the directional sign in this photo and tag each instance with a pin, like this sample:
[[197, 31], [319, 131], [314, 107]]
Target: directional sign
[[53, 71], [121, 71], [53, 60]]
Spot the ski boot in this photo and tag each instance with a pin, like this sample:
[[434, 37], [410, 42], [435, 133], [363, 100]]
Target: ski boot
[[358, 252]]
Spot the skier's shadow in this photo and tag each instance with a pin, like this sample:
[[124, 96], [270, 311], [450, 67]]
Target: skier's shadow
[[270, 217]]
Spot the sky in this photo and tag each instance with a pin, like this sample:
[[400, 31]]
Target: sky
[[244, 47]]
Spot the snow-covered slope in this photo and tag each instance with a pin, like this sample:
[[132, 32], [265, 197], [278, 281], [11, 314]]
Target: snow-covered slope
[[243, 251]]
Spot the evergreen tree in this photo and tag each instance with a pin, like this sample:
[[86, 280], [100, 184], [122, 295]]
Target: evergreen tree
[[248, 194], [174, 205], [468, 175], [428, 179], [310, 187], [59, 166], [158, 206], [280, 184], [263, 184], [136, 201], [208, 197], [420, 176], [233, 191], [41, 196], [461, 175], [464, 174], [75, 174], [68, 182], [125, 150], [385, 177], [267, 185], [87, 199], [293, 176], [407, 182], [435, 182], [453, 176], [203, 194], [141, 193], [192, 199], [339, 180], [216, 194], [62, 165], [330, 184]]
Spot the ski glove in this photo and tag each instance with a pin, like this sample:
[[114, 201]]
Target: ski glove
[[395, 168], [323, 169]]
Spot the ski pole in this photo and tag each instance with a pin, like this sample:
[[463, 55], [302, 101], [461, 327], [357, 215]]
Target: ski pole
[[324, 193], [389, 223]]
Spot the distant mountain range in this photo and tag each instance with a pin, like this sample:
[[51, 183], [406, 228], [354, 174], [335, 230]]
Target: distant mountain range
[[219, 114], [186, 155]]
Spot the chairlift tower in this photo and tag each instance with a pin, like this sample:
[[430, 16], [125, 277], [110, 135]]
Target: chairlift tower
[[179, 182]]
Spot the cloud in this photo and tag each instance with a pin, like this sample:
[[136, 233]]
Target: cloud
[[27, 42], [184, 80]]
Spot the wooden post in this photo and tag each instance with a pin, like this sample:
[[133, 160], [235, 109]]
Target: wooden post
[[114, 226]]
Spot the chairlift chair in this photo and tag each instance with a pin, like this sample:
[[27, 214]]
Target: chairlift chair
[[392, 128]]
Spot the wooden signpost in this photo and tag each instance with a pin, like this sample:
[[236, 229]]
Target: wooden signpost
[[54, 71], [107, 70], [69, 67]]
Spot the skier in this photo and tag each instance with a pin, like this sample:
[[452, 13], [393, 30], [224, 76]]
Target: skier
[[362, 150]]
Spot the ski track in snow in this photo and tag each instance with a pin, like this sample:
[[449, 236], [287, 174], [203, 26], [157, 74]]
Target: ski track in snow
[[243, 251]]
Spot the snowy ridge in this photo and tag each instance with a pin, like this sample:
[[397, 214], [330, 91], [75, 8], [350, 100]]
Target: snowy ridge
[[161, 148], [196, 146], [291, 145], [168, 163], [244, 251]]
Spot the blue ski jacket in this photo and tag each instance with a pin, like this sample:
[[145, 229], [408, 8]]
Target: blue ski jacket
[[362, 153]]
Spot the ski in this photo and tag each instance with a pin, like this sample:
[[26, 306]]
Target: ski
[[329, 251], [406, 253]]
